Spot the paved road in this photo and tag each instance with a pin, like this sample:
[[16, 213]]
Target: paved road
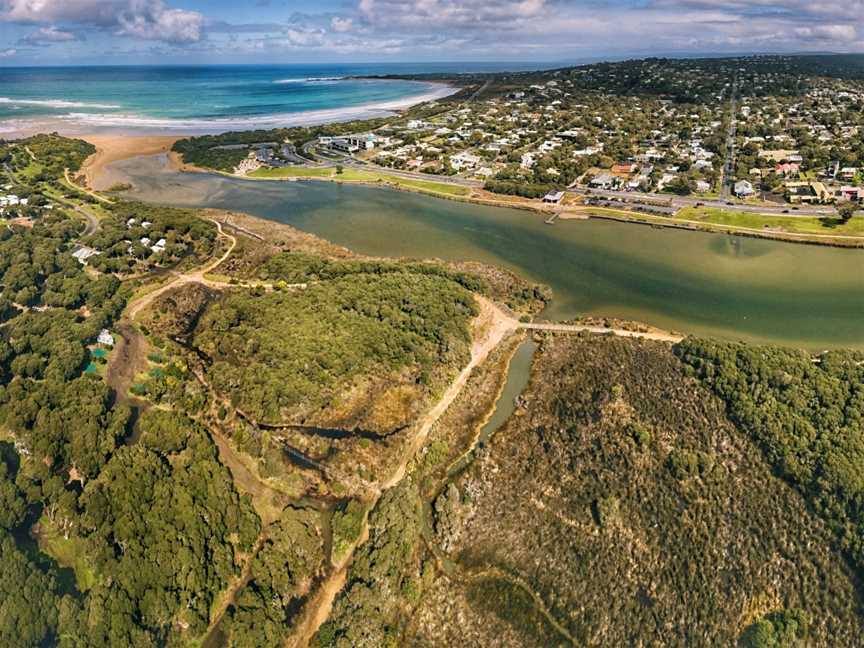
[[729, 166], [92, 222], [479, 91]]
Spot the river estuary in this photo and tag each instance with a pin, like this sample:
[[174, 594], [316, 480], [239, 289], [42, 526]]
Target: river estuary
[[705, 284]]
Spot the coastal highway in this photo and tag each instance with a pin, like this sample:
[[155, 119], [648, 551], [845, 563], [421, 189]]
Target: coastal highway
[[785, 211]]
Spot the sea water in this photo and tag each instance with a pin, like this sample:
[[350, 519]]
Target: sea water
[[202, 99]]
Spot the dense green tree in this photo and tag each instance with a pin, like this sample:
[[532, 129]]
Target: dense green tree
[[28, 602], [290, 557], [13, 505], [846, 210], [806, 414], [164, 524], [785, 629]]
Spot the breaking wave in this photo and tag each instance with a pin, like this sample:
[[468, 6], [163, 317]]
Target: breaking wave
[[56, 103]]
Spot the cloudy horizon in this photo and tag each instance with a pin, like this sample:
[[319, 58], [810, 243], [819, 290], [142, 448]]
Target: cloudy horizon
[[271, 31]]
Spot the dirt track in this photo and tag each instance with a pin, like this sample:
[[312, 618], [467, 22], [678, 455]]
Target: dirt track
[[129, 359]]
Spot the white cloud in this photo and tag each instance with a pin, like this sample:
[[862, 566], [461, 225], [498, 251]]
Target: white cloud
[[152, 20], [143, 19], [8, 53], [341, 25], [830, 33], [444, 14], [49, 35], [467, 28], [304, 38], [94, 12]]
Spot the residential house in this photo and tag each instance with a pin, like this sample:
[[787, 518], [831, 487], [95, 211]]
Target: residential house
[[82, 253], [604, 181], [808, 192], [744, 188], [464, 160], [787, 169]]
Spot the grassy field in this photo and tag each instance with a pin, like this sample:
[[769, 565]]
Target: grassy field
[[357, 175], [295, 172], [730, 218], [67, 552]]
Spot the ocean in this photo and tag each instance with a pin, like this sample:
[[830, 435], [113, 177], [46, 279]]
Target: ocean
[[203, 99]]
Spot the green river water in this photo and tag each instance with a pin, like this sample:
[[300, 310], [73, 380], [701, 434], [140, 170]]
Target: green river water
[[704, 284]]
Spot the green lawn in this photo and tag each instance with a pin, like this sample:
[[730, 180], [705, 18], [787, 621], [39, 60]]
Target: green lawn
[[356, 175], [359, 175], [854, 227], [295, 172], [29, 172]]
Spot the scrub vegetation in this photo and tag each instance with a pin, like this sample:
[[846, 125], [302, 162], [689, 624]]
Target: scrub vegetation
[[294, 355], [622, 500], [806, 416]]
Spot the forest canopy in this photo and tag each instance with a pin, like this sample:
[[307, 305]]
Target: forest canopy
[[808, 417]]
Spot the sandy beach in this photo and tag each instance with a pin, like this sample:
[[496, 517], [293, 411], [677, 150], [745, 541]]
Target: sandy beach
[[113, 148], [123, 137]]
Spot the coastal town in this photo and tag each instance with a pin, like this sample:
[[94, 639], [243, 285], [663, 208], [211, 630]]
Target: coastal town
[[746, 135]]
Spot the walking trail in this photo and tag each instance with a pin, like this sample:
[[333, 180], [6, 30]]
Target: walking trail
[[491, 326]]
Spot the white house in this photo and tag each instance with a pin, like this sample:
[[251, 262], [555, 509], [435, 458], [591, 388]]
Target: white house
[[744, 188], [604, 181], [464, 160], [83, 253]]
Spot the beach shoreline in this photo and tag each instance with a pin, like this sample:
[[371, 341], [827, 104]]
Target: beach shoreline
[[116, 143], [130, 125]]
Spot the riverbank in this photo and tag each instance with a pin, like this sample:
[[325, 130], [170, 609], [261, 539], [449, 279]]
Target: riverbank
[[115, 148], [772, 234], [775, 228]]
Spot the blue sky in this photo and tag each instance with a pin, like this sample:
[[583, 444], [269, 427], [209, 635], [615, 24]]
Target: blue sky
[[273, 31]]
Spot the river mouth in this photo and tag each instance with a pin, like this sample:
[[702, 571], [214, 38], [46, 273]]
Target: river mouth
[[696, 283]]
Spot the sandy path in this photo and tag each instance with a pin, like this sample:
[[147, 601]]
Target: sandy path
[[135, 307], [490, 327], [600, 330], [113, 148]]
